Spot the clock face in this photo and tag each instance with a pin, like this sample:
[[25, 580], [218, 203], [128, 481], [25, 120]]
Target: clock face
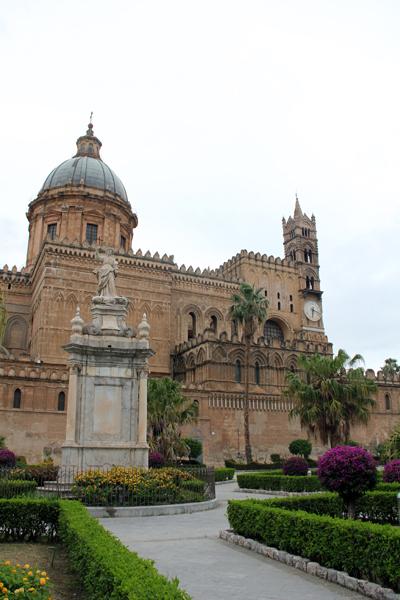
[[312, 310]]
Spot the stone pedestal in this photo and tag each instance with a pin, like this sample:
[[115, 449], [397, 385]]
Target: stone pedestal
[[107, 395]]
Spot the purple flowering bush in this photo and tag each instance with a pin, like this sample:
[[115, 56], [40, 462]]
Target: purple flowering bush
[[348, 470], [7, 458], [295, 465], [156, 459], [391, 471]]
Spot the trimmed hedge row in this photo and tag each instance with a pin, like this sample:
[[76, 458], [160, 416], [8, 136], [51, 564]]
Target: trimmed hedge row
[[10, 488], [107, 568], [231, 464], [287, 483], [224, 474], [26, 519], [346, 545]]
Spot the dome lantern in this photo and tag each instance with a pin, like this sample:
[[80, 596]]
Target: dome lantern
[[89, 144]]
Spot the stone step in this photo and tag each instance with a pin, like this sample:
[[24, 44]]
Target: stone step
[[55, 490]]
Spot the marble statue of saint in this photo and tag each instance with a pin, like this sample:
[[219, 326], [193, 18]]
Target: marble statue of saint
[[106, 274]]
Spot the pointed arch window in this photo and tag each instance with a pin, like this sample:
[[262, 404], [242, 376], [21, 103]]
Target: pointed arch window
[[17, 398], [273, 331], [191, 333], [388, 402], [238, 371], [257, 373], [61, 401], [213, 323]]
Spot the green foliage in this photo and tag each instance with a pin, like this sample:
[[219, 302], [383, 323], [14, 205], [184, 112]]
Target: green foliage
[[286, 483], [330, 394], [276, 458], [10, 488], [195, 447], [23, 583], [390, 368], [28, 519], [346, 545], [224, 474], [300, 448], [391, 448], [108, 569], [168, 410], [2, 441], [249, 307], [253, 466]]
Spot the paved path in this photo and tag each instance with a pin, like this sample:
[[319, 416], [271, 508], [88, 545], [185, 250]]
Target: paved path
[[188, 547]]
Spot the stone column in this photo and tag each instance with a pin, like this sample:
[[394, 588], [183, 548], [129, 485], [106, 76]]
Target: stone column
[[72, 403], [142, 407]]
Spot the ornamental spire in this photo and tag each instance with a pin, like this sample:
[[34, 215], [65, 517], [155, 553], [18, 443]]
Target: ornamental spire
[[89, 144], [297, 209]]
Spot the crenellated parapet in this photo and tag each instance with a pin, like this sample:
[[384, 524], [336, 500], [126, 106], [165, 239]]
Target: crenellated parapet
[[256, 259], [14, 275]]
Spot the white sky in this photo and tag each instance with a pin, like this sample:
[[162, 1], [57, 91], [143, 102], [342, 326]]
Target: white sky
[[214, 113]]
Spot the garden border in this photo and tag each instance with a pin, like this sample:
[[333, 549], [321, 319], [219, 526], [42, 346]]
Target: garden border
[[278, 493], [362, 586], [103, 512]]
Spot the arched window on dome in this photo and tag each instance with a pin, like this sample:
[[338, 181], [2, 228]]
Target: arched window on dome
[[52, 231], [91, 232], [61, 401], [238, 371], [272, 330], [17, 398]]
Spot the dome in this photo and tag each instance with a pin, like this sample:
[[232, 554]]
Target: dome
[[86, 168]]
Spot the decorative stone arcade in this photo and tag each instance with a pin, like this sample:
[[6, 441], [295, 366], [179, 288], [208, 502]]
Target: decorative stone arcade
[[107, 394]]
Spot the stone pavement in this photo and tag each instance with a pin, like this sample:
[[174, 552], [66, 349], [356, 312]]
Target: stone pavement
[[188, 547]]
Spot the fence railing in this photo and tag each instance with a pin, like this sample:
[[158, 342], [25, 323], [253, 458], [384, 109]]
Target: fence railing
[[112, 486]]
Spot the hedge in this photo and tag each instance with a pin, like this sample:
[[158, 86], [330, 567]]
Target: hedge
[[364, 550], [28, 519], [224, 474], [231, 464], [108, 569], [287, 483], [10, 488]]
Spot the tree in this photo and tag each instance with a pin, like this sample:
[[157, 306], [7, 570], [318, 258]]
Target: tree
[[168, 410], [390, 368], [330, 395], [249, 308], [391, 448], [300, 448]]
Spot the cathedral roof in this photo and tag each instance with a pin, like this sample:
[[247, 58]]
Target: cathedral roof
[[86, 168]]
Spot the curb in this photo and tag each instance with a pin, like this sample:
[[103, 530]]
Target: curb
[[362, 586], [102, 512], [225, 481], [276, 492]]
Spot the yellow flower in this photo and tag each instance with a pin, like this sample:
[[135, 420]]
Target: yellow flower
[[19, 590], [7, 562], [42, 581], [43, 573], [27, 566], [31, 590]]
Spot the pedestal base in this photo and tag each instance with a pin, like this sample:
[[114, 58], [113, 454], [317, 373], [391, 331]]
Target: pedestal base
[[85, 457]]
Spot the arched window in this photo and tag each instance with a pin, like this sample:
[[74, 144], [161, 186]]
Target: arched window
[[273, 331], [191, 326], [307, 256], [213, 323], [17, 398], [309, 283], [238, 371], [388, 402], [61, 401], [257, 373]]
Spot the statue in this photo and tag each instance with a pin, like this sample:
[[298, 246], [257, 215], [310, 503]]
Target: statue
[[106, 274]]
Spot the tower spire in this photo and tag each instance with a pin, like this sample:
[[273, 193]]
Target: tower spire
[[297, 208]]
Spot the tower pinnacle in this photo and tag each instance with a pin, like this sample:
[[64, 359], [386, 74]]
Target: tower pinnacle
[[297, 209]]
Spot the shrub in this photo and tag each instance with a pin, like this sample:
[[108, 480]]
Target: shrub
[[108, 568], [300, 448], [40, 473], [349, 471], [391, 448], [278, 482], [28, 519], [224, 474], [254, 466], [276, 458], [22, 582], [156, 459], [336, 543], [7, 458], [127, 486], [10, 488], [2, 441], [391, 471], [295, 466], [195, 447]]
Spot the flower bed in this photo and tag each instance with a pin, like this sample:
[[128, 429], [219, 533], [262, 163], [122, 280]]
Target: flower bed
[[17, 581], [107, 568], [126, 486], [365, 550], [224, 474]]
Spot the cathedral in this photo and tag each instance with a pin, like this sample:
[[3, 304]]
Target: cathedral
[[82, 206]]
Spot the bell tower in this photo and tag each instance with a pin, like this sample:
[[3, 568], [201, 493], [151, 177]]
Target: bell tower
[[301, 247]]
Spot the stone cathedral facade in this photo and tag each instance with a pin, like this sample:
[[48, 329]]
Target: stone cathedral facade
[[83, 205]]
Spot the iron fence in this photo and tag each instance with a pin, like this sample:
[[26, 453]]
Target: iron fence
[[108, 485]]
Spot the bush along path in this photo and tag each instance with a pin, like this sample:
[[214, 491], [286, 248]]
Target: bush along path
[[188, 547]]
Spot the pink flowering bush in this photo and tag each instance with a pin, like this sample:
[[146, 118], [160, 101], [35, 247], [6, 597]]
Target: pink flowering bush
[[348, 470], [391, 472], [7, 458], [295, 465], [156, 459]]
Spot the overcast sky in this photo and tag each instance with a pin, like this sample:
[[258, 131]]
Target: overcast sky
[[214, 113]]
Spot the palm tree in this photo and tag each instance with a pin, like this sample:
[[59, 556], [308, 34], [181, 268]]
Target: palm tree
[[390, 368], [249, 307], [330, 395], [168, 410]]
